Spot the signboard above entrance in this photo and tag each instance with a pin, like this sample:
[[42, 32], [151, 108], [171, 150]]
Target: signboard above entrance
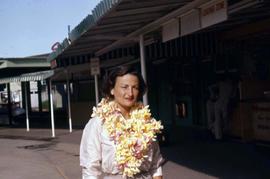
[[190, 22], [202, 16], [170, 30], [213, 12]]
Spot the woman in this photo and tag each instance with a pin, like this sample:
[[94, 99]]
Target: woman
[[120, 139]]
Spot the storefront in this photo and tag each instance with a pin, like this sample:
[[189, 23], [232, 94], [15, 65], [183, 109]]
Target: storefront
[[186, 47]]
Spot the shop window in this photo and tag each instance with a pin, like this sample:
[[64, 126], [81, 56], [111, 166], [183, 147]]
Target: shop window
[[34, 95], [44, 96], [181, 109]]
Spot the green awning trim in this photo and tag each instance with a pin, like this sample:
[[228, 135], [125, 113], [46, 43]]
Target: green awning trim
[[81, 28], [37, 76], [26, 62], [102, 8]]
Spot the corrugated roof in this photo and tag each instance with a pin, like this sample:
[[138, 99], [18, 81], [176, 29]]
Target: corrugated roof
[[37, 76], [114, 20], [116, 23], [91, 20], [27, 62]]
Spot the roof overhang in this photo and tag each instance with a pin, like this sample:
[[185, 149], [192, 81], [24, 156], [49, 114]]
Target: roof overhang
[[117, 23], [37, 76], [28, 62]]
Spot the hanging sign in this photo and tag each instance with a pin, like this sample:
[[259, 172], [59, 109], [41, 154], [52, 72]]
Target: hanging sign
[[213, 13], [170, 30], [190, 22], [261, 121], [53, 64], [95, 67]]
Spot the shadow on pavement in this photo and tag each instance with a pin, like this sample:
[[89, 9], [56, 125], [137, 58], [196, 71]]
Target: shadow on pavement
[[223, 159]]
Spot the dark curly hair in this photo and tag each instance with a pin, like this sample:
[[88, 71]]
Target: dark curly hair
[[109, 80]]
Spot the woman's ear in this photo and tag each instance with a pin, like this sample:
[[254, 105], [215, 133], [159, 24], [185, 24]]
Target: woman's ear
[[112, 92]]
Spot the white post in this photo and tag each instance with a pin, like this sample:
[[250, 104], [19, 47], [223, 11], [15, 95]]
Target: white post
[[26, 107], [96, 89], [51, 104], [143, 67], [69, 108]]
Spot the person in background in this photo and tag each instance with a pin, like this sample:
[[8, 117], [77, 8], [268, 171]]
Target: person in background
[[218, 105], [119, 141]]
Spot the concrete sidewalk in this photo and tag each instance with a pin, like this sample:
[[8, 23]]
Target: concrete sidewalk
[[34, 154]]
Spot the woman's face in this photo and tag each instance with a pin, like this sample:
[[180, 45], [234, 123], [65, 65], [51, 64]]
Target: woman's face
[[126, 91]]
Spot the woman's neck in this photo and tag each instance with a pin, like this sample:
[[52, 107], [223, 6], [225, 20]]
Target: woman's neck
[[124, 111]]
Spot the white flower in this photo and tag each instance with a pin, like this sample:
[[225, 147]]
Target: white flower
[[132, 136]]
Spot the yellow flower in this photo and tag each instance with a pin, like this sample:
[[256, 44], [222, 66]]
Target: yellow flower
[[132, 136]]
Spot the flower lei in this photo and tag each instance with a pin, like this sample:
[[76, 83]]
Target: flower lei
[[132, 136]]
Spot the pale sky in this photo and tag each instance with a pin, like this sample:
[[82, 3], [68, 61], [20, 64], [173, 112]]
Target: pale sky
[[31, 27]]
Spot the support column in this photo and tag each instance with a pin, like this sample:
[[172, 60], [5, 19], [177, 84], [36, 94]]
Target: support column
[[29, 96], [39, 96], [143, 67], [26, 107], [51, 108], [9, 104], [69, 108], [96, 89]]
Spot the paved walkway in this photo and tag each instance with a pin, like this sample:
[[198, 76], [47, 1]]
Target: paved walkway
[[34, 154]]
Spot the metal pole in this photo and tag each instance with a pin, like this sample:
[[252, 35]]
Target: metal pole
[[143, 67], [26, 107], [69, 108], [96, 89], [51, 104]]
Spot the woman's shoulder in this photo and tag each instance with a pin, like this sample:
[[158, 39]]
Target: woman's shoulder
[[94, 122]]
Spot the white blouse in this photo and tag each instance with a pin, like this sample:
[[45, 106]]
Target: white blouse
[[97, 155]]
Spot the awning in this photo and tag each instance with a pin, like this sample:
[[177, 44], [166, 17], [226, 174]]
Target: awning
[[37, 76], [117, 23], [26, 62], [113, 21]]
